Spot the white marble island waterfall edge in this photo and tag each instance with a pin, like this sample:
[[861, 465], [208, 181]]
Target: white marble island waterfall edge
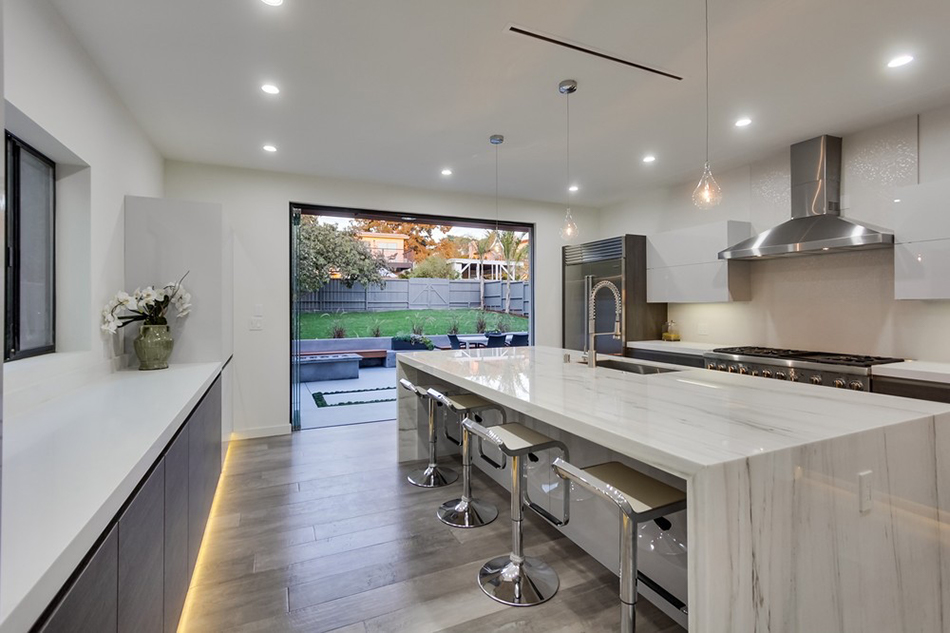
[[777, 541]]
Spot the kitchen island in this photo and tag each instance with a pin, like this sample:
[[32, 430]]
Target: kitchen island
[[779, 537]]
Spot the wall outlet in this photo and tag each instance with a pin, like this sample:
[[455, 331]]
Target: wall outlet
[[865, 502], [256, 324], [702, 328]]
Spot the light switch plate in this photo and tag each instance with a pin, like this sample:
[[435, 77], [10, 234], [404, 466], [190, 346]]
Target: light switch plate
[[258, 309]]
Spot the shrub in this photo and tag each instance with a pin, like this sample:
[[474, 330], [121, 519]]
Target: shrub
[[433, 267], [337, 329], [417, 324], [455, 324], [503, 324], [415, 338], [481, 323], [376, 329]]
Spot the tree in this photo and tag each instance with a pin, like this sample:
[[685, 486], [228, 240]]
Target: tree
[[514, 253], [325, 251], [483, 246], [421, 236], [449, 247], [434, 267]]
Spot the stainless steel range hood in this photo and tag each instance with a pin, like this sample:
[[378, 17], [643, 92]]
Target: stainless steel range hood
[[816, 225]]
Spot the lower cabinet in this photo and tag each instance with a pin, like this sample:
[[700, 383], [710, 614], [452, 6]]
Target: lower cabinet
[[91, 603], [204, 467], [177, 572], [142, 558], [137, 579]]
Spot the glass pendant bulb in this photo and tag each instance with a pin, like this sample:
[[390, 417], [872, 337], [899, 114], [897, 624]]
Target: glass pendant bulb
[[707, 193], [569, 228]]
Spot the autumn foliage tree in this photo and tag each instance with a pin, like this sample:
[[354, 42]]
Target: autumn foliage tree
[[422, 241]]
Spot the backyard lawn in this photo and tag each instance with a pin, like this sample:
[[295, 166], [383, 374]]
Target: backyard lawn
[[357, 324]]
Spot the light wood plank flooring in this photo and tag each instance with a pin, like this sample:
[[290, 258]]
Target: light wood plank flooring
[[319, 531]]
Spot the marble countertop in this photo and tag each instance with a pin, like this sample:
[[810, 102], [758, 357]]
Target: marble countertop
[[915, 370], [691, 348], [679, 422], [69, 464]]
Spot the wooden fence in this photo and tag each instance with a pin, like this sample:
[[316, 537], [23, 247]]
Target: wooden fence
[[417, 294]]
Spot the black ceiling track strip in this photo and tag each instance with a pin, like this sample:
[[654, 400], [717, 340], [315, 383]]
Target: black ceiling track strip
[[581, 49]]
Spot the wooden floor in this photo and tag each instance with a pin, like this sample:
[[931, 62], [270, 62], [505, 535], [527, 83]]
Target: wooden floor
[[319, 531]]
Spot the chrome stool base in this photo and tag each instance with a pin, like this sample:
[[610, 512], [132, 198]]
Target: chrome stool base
[[433, 477], [467, 514], [518, 585]]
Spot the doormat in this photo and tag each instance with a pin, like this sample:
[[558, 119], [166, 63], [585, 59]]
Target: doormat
[[347, 398]]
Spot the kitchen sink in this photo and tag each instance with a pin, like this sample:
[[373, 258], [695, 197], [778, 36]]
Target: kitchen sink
[[634, 368]]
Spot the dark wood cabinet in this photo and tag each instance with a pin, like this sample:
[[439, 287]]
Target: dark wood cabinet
[[176, 530], [204, 467], [91, 603], [141, 557]]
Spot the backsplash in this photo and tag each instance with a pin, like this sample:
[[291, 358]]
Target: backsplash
[[837, 302]]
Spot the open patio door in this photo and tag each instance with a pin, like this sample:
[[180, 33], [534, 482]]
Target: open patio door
[[295, 385]]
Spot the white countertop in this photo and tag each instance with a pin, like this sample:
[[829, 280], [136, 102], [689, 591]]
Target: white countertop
[[915, 370], [679, 422], [691, 348], [69, 465]]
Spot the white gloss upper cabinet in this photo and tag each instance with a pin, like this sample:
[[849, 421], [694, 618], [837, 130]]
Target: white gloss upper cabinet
[[921, 270], [922, 241], [683, 266]]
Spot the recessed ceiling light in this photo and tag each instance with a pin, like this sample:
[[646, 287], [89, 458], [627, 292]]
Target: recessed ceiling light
[[573, 188], [270, 89], [744, 121], [897, 199], [649, 158], [273, 3], [900, 60], [270, 148], [446, 172]]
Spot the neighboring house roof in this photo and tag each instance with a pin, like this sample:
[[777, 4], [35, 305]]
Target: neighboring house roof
[[370, 234]]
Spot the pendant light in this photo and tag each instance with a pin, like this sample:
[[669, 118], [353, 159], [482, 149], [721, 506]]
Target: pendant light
[[496, 140], [707, 193], [569, 228]]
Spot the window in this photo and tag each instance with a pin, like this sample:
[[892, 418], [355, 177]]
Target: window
[[30, 290]]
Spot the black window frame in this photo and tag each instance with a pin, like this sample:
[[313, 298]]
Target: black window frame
[[12, 350]]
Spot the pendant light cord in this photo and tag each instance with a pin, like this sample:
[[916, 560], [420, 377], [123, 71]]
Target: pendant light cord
[[707, 82], [496, 192], [568, 98]]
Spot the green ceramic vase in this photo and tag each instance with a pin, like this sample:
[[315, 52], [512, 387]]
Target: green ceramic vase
[[153, 346]]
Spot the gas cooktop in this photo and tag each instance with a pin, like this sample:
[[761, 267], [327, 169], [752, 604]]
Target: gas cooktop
[[829, 358]]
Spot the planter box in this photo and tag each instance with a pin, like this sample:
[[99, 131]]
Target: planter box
[[407, 346]]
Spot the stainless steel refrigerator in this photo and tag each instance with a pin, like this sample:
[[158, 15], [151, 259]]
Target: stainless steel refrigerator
[[622, 260]]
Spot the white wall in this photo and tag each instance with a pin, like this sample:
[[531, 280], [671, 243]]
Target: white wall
[[50, 79], [257, 205], [840, 302]]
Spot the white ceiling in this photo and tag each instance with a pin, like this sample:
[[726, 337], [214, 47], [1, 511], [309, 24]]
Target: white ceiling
[[393, 91]]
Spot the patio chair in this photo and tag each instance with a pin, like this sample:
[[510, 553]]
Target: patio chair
[[456, 343], [518, 340], [496, 339]]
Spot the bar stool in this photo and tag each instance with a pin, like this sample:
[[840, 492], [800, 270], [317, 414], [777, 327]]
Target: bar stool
[[515, 579], [641, 498], [467, 511], [433, 475]]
